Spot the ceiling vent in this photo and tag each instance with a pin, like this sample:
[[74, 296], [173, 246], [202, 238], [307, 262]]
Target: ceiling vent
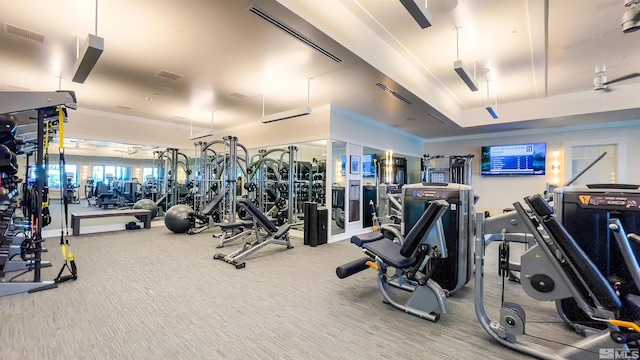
[[290, 114], [23, 33], [392, 92], [238, 96], [438, 119], [286, 28], [167, 75]]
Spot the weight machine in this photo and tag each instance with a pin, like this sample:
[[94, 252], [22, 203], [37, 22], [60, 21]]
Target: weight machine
[[170, 191], [27, 108], [276, 185], [446, 169], [217, 176]]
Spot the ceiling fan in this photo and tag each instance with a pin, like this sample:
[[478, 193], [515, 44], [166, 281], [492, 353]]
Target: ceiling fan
[[129, 151], [600, 82]]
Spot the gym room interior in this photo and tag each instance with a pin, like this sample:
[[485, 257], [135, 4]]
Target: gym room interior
[[388, 142]]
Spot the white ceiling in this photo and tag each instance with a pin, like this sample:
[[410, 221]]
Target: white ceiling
[[234, 65]]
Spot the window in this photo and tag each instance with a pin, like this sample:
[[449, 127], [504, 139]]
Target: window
[[71, 171], [611, 169], [123, 173], [109, 172], [149, 172], [53, 175], [97, 173]]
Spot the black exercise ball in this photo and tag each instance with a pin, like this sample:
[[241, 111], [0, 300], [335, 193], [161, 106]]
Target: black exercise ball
[[177, 218], [147, 205]]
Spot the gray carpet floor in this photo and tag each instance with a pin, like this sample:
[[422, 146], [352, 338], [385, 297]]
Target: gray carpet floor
[[152, 294]]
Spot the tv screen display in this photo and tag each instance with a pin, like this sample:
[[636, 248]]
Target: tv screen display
[[518, 159], [31, 177], [369, 165]]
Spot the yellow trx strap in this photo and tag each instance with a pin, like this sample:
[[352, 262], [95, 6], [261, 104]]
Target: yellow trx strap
[[69, 260]]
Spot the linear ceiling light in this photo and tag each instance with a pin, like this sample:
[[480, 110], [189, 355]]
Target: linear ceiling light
[[631, 17], [462, 70], [419, 12], [492, 108], [88, 55]]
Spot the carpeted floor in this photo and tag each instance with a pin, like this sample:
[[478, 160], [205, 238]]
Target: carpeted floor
[[152, 294]]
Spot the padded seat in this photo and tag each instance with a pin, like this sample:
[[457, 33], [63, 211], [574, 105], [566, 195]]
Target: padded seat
[[389, 252], [229, 226], [362, 239]]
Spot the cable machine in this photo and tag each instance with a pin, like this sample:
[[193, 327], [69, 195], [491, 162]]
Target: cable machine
[[446, 169], [218, 176], [26, 108], [167, 162]]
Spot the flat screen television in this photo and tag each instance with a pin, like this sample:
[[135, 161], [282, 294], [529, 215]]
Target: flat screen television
[[516, 159], [31, 175], [369, 165]]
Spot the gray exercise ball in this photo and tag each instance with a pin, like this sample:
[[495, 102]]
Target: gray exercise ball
[[147, 205], [177, 218]]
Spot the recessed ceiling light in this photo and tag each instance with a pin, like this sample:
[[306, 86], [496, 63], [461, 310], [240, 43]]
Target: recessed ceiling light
[[148, 98]]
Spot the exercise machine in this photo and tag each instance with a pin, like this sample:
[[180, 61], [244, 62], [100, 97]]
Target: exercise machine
[[455, 271], [415, 262], [446, 169], [555, 267], [585, 212], [39, 108]]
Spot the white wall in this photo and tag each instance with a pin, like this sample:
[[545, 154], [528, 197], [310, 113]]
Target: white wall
[[314, 126], [355, 129], [359, 132], [497, 193], [97, 125]]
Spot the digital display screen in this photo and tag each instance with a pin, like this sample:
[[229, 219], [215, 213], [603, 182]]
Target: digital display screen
[[519, 159], [369, 165]]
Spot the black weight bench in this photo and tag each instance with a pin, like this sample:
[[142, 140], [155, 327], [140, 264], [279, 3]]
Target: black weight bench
[[414, 262], [143, 214], [266, 233]]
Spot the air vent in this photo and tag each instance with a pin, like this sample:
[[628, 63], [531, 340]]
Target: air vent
[[239, 96], [286, 28], [167, 75], [23, 33], [10, 87], [437, 118], [289, 114], [392, 92], [123, 107]]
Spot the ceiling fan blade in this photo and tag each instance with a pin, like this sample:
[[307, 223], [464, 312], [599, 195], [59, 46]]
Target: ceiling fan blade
[[623, 78]]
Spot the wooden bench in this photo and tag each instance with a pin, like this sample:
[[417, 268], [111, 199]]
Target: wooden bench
[[143, 214]]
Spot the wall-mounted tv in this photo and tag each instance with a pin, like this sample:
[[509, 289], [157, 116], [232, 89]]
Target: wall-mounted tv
[[368, 164], [31, 175], [517, 159]]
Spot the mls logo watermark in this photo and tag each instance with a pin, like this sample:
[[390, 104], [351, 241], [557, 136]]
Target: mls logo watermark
[[619, 354]]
